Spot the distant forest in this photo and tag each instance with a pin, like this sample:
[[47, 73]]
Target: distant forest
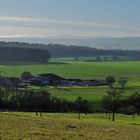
[[20, 51], [57, 50], [23, 54]]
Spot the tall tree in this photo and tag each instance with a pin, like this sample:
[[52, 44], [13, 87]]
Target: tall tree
[[114, 96], [26, 76], [135, 101], [81, 105], [110, 80], [122, 82]]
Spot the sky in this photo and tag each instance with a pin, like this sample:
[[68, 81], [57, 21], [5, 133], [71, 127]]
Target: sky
[[66, 18]]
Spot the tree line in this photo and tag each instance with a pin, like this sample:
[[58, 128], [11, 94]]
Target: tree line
[[40, 101], [17, 54], [59, 50]]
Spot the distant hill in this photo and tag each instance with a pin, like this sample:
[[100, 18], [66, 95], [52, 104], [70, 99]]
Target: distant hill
[[122, 43], [58, 50]]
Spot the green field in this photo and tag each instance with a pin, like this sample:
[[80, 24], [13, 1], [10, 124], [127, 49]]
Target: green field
[[83, 70], [93, 94], [56, 126], [102, 58], [71, 69]]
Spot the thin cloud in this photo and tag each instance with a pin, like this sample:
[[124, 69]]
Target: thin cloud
[[18, 27], [26, 20]]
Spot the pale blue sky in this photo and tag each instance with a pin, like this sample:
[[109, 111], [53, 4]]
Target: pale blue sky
[[69, 17]]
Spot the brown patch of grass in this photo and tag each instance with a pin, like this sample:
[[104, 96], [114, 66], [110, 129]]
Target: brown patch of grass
[[14, 127]]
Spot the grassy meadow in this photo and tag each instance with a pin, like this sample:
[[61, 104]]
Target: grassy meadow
[[60, 126], [77, 69], [68, 68], [93, 94]]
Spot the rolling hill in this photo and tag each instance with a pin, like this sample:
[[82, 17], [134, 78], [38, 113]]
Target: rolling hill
[[120, 43], [58, 50]]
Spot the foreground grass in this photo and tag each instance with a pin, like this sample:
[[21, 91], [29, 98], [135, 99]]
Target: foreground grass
[[59, 126]]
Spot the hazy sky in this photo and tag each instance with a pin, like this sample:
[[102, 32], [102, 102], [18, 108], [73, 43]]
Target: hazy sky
[[69, 18]]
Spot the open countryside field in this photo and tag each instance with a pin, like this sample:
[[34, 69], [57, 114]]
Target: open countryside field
[[83, 70], [60, 126], [71, 69], [93, 94]]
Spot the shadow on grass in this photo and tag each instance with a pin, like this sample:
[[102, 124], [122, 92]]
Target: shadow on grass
[[132, 88], [63, 89], [135, 124], [31, 63], [57, 63]]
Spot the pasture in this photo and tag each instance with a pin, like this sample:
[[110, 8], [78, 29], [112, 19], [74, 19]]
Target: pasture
[[93, 94], [83, 70], [60, 126], [72, 69], [52, 126]]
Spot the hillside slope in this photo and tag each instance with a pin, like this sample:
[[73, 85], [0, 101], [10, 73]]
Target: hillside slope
[[57, 50], [116, 43]]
